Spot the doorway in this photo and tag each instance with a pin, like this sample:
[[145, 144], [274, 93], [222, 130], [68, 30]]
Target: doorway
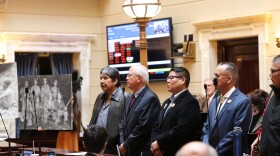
[[244, 53]]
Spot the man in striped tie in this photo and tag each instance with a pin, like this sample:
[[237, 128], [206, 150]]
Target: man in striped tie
[[231, 109], [140, 114]]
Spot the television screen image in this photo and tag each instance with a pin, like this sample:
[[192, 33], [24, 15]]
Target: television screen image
[[123, 47]]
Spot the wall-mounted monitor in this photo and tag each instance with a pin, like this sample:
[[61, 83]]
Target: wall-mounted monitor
[[123, 47]]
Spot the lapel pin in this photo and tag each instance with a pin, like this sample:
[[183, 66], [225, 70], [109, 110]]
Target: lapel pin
[[229, 101], [172, 105]]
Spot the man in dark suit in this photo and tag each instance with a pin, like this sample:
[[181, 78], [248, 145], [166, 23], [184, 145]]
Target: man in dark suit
[[140, 114], [231, 109], [109, 106], [179, 117]]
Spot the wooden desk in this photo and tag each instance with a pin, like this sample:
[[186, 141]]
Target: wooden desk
[[5, 153], [61, 152], [44, 142], [4, 148], [45, 150]]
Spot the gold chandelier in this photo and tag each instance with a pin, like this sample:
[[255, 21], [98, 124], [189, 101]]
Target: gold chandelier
[[142, 11]]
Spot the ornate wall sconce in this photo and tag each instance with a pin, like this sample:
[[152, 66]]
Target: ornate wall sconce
[[277, 40], [2, 59], [188, 49]]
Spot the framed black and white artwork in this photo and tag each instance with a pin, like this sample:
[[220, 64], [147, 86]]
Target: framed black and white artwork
[[47, 98], [8, 90]]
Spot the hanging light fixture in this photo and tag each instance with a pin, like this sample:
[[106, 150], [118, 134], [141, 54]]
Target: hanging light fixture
[[142, 8], [142, 11]]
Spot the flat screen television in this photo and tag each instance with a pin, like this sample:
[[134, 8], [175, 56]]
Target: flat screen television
[[123, 47]]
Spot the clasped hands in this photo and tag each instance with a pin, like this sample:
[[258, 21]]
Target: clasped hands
[[155, 149], [123, 150]]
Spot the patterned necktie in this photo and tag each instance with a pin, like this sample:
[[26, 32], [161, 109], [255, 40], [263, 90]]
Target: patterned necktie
[[132, 101], [220, 105], [168, 106], [222, 99]]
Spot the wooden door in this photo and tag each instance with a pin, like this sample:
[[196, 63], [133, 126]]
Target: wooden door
[[244, 53]]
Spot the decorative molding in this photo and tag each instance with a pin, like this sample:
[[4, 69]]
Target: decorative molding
[[210, 31], [55, 38], [64, 45], [233, 21]]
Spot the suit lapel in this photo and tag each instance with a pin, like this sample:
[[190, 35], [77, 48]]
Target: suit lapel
[[161, 115], [171, 107], [176, 101], [98, 107], [258, 124], [228, 102], [128, 104], [226, 105], [214, 102], [135, 103], [115, 102]]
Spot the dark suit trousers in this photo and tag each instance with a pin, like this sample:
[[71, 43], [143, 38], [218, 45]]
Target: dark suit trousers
[[145, 152]]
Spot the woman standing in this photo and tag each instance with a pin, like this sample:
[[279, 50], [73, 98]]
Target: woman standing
[[258, 99]]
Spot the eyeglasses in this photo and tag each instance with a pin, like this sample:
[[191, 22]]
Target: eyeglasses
[[173, 77], [274, 70], [208, 85], [130, 75]]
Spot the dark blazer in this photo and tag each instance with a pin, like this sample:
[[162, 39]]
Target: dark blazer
[[179, 125], [257, 125], [270, 138], [115, 115], [138, 121], [235, 113]]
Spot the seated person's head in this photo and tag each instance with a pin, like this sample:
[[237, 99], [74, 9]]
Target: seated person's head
[[95, 137], [197, 148], [258, 99]]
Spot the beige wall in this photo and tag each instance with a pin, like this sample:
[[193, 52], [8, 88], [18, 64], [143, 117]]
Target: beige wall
[[184, 12], [92, 17], [63, 16], [48, 20]]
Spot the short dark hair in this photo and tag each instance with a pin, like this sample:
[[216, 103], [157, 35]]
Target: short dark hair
[[181, 71], [113, 73], [231, 68], [258, 99], [95, 137]]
